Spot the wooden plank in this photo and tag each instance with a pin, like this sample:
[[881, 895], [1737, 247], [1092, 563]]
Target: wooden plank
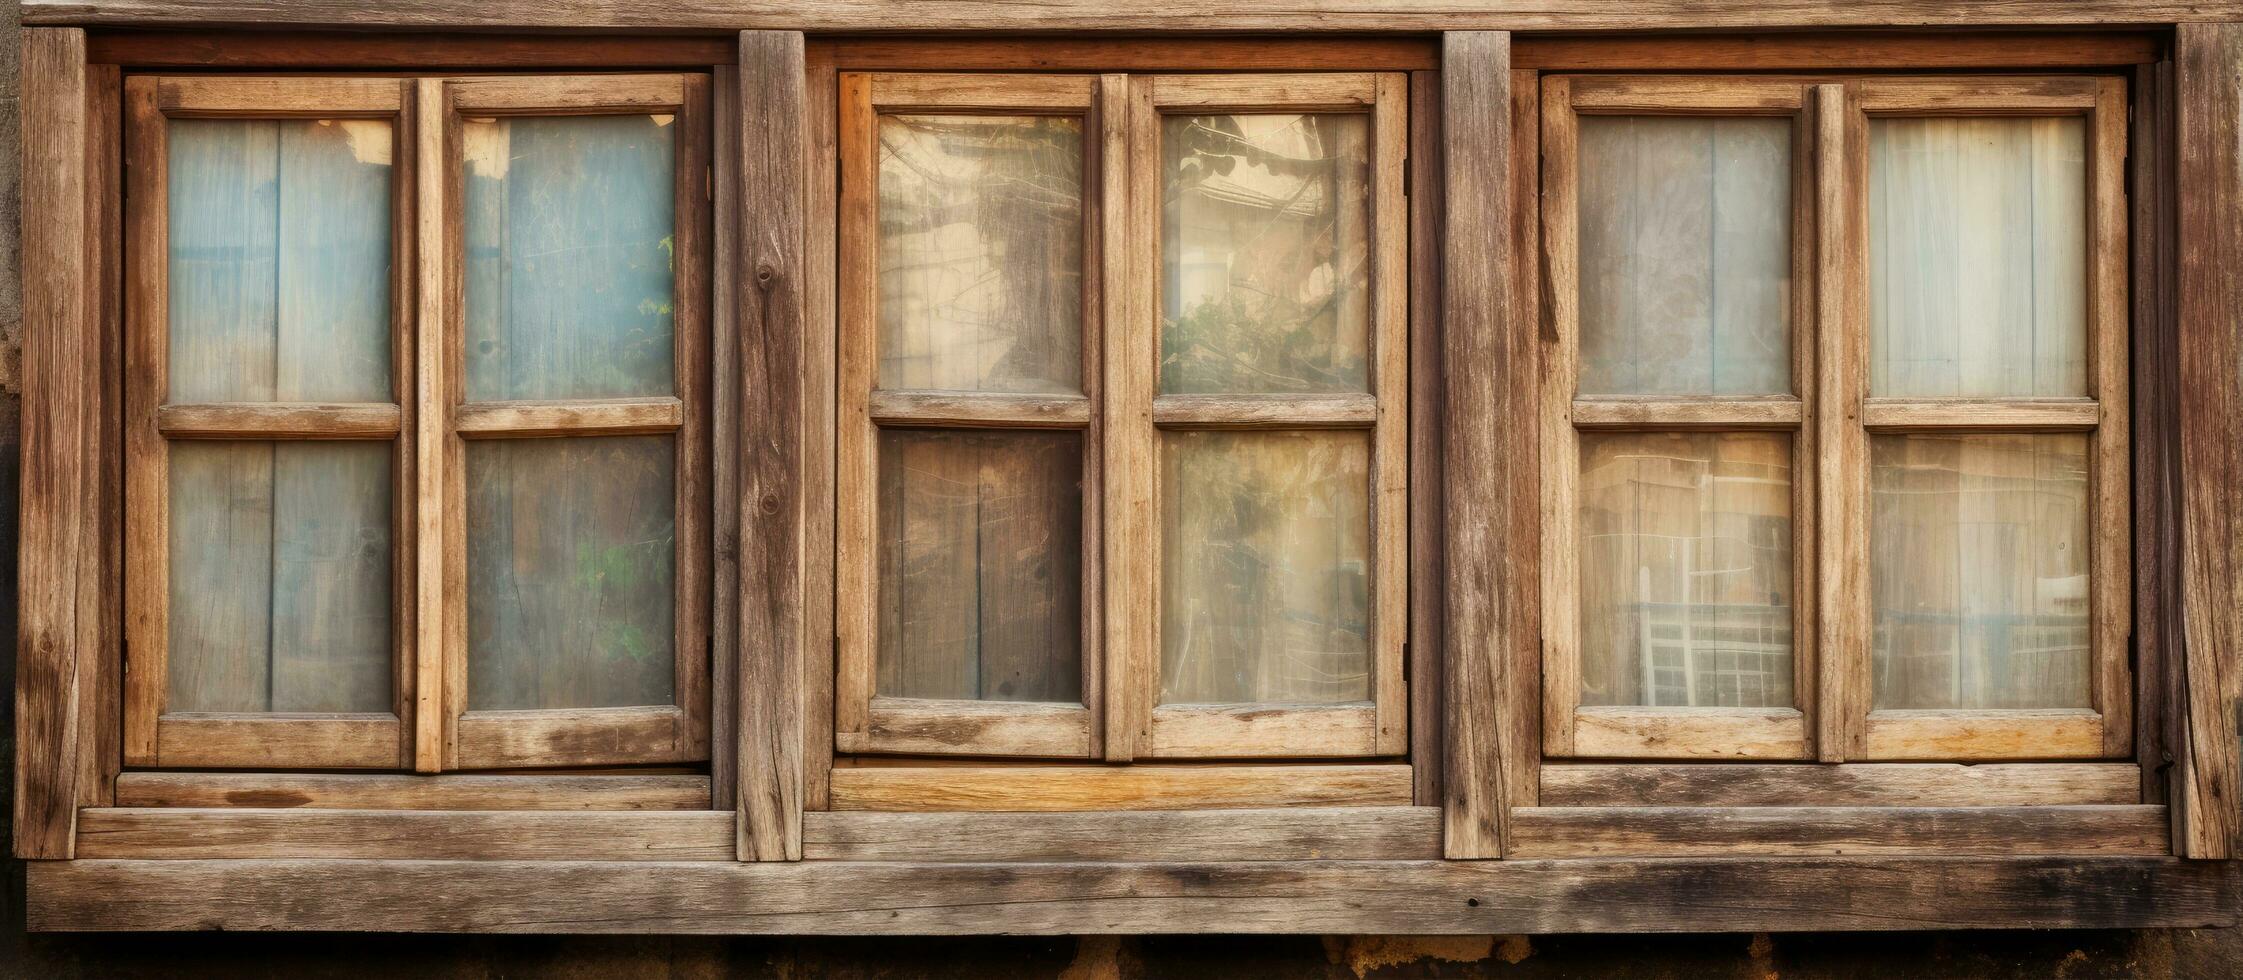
[[1519, 732], [1289, 93], [1006, 728], [1142, 787], [299, 741], [436, 454], [1129, 221], [263, 420], [181, 834], [969, 93], [1265, 411], [1132, 54], [262, 97], [1262, 731], [1968, 735], [58, 613], [574, 93], [724, 434], [1428, 578], [1974, 96], [1899, 784], [1328, 834], [1690, 733], [574, 737], [1408, 897], [282, 50], [2053, 415], [2111, 605], [1579, 832], [771, 102], [1685, 95], [950, 408], [1667, 415], [816, 574], [1478, 341], [1852, 49], [2160, 683], [1226, 16], [609, 417], [1842, 465], [102, 669], [401, 792]]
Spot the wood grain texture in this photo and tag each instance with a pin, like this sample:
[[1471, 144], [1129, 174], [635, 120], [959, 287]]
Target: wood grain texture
[[819, 299], [59, 619], [281, 50], [1846, 784], [1519, 732], [435, 454], [2208, 768], [1578, 832], [2160, 679], [1323, 834], [772, 325], [1334, 16], [1667, 415], [553, 420], [282, 791], [1479, 343], [1962, 735], [950, 408], [256, 420], [1140, 787], [1842, 463], [957, 727], [1265, 411], [1428, 578], [297, 741], [2055, 415], [180, 834], [1819, 51], [1676, 733], [574, 737], [1134, 54], [841, 898], [724, 433], [101, 684]]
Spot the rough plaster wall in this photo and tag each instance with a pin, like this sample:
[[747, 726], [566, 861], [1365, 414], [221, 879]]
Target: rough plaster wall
[[2211, 953]]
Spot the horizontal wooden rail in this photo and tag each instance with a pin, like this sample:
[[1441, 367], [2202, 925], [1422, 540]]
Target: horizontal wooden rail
[[1572, 832], [1265, 411], [2059, 415], [1695, 413], [385, 791], [1886, 784], [180, 833], [1141, 787], [1292, 834], [977, 409], [279, 420], [622, 416]]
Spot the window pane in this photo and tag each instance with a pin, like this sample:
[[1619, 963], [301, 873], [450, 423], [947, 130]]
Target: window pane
[[571, 572], [981, 565], [569, 225], [1979, 571], [278, 244], [1977, 257], [280, 577], [1686, 569], [1265, 253], [1266, 567], [1685, 238], [981, 253]]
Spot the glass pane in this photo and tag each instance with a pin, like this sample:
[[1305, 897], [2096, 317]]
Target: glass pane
[[1266, 567], [981, 565], [981, 253], [1977, 257], [278, 244], [571, 572], [569, 225], [1265, 253], [1685, 226], [1686, 575], [280, 577], [1979, 571]]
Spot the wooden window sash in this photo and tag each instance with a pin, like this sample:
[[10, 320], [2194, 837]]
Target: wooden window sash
[[1138, 416], [864, 720], [2104, 730], [155, 736], [497, 739], [1570, 729]]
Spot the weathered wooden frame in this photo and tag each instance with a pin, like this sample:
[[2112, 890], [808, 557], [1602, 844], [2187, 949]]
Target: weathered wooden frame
[[153, 735], [865, 721], [515, 875], [576, 736]]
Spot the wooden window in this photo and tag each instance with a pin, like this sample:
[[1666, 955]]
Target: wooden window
[[1834, 419], [415, 474], [1121, 457]]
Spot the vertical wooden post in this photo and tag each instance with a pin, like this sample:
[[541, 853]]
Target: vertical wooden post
[[60, 587], [771, 105], [1428, 583], [2160, 700], [1480, 349], [2209, 773]]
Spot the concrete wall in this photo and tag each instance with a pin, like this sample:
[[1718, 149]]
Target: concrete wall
[[2209, 953]]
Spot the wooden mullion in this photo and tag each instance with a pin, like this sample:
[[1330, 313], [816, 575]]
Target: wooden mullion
[[694, 644], [1427, 396], [856, 454], [147, 458], [1130, 122], [2110, 519], [1684, 95], [1842, 444], [434, 456], [818, 435], [1560, 458], [2160, 696]]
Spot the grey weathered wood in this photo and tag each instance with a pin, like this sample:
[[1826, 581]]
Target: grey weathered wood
[[58, 630], [178, 833], [1895, 784], [326, 791], [771, 104], [2208, 767], [836, 898], [724, 438], [1293, 834], [1171, 15], [1478, 349], [1428, 581], [1575, 832], [2154, 198]]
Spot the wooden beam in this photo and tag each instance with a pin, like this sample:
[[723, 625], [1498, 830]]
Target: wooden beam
[[1428, 399], [1230, 16], [1290, 834], [1417, 897], [59, 591], [2208, 772], [1137, 787], [774, 641], [1891, 784], [331, 791], [400, 52], [1839, 50], [1480, 348], [178, 833], [1579, 832]]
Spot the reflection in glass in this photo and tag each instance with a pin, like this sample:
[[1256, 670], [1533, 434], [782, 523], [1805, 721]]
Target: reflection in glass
[[1685, 268], [1977, 257], [981, 253], [570, 228], [1266, 567], [278, 251], [1265, 253], [1979, 571], [980, 565], [1686, 569], [280, 577], [571, 572]]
